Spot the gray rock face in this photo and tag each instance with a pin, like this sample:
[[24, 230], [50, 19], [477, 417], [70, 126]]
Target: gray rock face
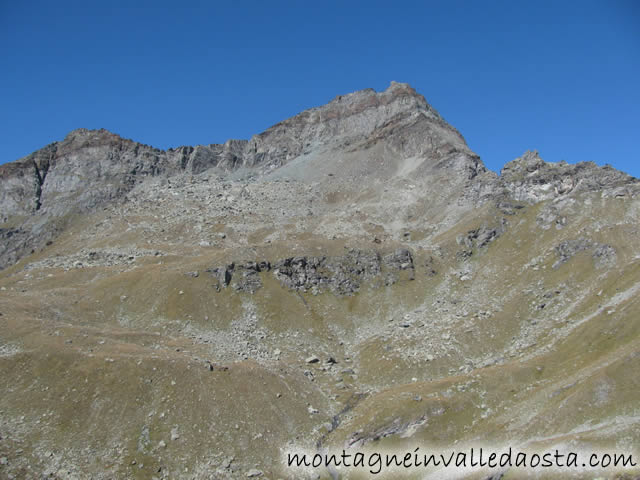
[[531, 179], [223, 274], [92, 167], [302, 273], [14, 243], [242, 277], [342, 275], [21, 182], [246, 278], [399, 117]]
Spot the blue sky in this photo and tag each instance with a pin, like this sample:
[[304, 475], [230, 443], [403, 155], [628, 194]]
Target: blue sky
[[561, 77]]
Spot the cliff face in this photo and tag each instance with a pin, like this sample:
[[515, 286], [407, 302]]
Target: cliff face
[[21, 182], [87, 169]]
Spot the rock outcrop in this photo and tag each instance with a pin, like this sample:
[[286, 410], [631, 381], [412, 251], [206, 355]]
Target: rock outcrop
[[531, 179], [342, 275], [603, 255]]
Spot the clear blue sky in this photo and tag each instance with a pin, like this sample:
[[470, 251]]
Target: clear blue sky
[[562, 77]]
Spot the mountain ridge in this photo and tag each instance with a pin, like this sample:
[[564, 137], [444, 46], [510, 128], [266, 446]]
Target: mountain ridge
[[354, 278], [360, 139]]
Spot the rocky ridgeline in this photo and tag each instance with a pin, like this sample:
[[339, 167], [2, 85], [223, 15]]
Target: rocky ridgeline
[[360, 140], [93, 168], [90, 167], [531, 179], [342, 275]]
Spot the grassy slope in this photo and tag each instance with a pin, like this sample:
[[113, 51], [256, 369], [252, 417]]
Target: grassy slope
[[89, 369]]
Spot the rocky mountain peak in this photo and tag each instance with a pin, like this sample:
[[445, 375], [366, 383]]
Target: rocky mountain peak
[[397, 123], [529, 162], [402, 93], [84, 133], [81, 138]]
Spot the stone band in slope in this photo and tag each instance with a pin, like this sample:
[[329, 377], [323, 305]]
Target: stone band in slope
[[342, 275]]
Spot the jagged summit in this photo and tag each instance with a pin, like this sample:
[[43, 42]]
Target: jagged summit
[[367, 98]]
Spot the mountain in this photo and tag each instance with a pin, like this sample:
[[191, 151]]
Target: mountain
[[352, 276]]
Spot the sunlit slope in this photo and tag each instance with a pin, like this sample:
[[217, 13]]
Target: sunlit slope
[[515, 327]]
